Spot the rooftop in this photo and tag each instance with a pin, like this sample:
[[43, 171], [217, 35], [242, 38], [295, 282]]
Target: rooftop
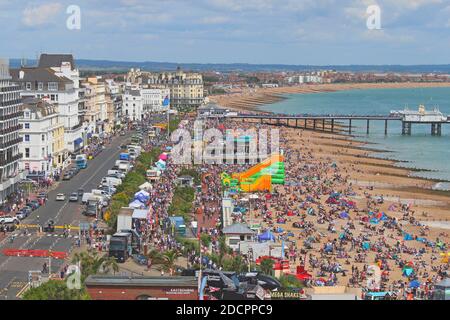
[[55, 60], [111, 281], [238, 228]]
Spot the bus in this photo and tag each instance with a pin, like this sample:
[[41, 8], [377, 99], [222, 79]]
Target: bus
[[81, 161]]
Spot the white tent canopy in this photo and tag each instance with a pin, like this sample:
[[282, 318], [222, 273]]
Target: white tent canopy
[[146, 186]]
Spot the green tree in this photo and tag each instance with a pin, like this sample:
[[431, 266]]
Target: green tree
[[92, 263], [290, 281], [55, 290], [155, 256], [266, 266], [169, 260]]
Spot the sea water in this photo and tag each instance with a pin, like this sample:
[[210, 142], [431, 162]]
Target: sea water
[[420, 150]]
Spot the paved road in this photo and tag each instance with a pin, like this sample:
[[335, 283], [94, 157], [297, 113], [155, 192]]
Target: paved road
[[14, 270]]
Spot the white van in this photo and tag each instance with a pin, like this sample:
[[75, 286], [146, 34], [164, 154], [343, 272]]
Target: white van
[[111, 181], [118, 173]]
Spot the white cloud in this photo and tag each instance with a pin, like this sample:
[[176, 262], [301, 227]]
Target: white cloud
[[215, 20], [40, 15]]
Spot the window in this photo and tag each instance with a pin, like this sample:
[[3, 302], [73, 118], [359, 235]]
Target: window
[[53, 86], [27, 152], [28, 86], [27, 137], [43, 137], [40, 86], [27, 126], [26, 114], [52, 97]]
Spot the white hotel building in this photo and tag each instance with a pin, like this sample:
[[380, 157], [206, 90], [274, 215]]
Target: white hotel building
[[56, 79], [42, 136], [10, 111]]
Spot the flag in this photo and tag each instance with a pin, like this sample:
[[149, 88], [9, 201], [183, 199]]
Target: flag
[[166, 101]]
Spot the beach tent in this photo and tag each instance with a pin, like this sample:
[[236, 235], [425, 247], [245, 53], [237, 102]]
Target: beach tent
[[366, 246], [414, 284], [374, 221], [407, 271], [163, 157], [266, 236], [169, 148], [408, 237], [423, 240], [344, 215]]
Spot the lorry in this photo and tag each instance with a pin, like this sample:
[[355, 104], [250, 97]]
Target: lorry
[[135, 240], [95, 194], [81, 161], [111, 181], [120, 246], [123, 166]]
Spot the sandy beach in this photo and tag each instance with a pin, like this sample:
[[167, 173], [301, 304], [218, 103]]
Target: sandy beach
[[368, 177], [249, 99]]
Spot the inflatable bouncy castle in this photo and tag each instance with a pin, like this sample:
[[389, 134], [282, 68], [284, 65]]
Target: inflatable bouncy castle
[[260, 177]]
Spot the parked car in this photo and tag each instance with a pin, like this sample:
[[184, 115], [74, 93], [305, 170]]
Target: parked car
[[73, 197], [68, 175], [60, 197], [9, 219], [22, 214], [42, 195], [27, 210], [34, 204], [140, 259]]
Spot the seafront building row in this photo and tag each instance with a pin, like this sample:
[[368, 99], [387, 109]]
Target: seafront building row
[[49, 112]]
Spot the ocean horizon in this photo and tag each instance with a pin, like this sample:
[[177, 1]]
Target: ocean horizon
[[421, 150]]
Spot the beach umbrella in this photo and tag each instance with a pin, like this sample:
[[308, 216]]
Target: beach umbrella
[[414, 284]]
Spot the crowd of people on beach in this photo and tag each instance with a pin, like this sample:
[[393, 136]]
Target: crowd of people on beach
[[338, 231]]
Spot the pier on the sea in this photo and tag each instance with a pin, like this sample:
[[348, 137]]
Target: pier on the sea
[[334, 123]]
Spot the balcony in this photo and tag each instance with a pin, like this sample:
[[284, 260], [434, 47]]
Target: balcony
[[10, 143], [10, 88], [14, 115], [74, 128], [10, 103], [10, 160], [11, 129]]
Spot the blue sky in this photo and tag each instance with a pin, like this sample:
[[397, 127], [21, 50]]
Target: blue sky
[[225, 31]]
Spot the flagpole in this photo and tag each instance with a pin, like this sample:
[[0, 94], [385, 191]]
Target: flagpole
[[201, 262]]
